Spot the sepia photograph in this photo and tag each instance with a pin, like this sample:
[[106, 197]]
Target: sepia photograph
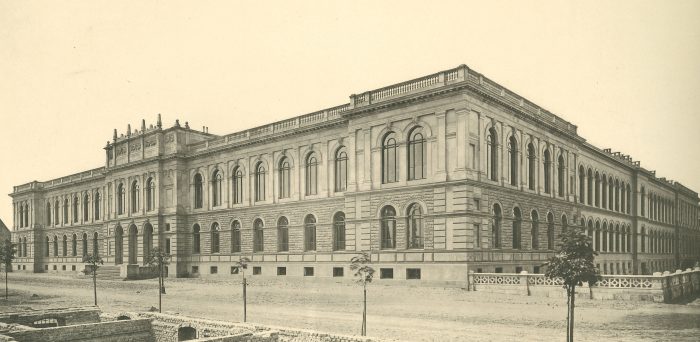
[[349, 171]]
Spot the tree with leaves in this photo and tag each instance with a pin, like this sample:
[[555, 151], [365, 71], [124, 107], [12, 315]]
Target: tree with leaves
[[157, 261], [364, 272], [573, 264], [241, 266], [93, 262], [7, 254]]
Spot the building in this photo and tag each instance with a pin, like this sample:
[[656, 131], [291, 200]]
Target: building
[[435, 176], [5, 233]]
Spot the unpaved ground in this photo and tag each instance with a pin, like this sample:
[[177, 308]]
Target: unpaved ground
[[398, 312]]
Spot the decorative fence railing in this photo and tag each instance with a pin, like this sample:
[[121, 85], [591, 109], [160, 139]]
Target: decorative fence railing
[[659, 287]]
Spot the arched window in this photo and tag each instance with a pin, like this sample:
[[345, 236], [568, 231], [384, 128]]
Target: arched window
[[564, 223], [235, 237], [26, 215], [388, 227], [135, 194], [76, 206], [517, 224], [259, 182], [258, 236], [601, 235], [622, 197], [581, 184], [65, 245], [550, 231], [547, 172], [86, 207], [560, 175], [617, 238], [604, 195], [66, 204], [121, 199], [628, 207], [535, 231], [496, 228], [417, 163], [311, 174], [617, 195], [284, 178], [74, 245], [414, 222], [216, 188], [150, 194], [596, 191], [531, 166], [21, 215], [492, 155], [237, 186], [47, 247], [589, 179], [341, 170], [643, 240], [283, 234], [85, 244], [310, 233], [389, 164], [55, 245], [513, 154], [97, 204], [339, 231], [56, 211], [48, 214], [215, 243], [24, 246], [611, 193], [95, 244], [196, 244], [198, 191]]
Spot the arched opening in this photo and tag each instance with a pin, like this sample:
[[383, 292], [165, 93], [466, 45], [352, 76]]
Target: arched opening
[[417, 164], [531, 166], [496, 228], [414, 220], [215, 241], [389, 162], [492, 155], [547, 172], [535, 230], [513, 158], [186, 333], [147, 241], [388, 227], [517, 224], [283, 234], [118, 245], [311, 174], [550, 231], [284, 178], [341, 170], [198, 191], [310, 233], [133, 243], [339, 231], [235, 237]]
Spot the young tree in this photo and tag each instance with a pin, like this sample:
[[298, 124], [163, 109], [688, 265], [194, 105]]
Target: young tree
[[93, 263], [7, 254], [241, 266], [365, 273], [157, 261], [573, 263]]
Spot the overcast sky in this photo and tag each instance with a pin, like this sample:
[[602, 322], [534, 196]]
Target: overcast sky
[[626, 72]]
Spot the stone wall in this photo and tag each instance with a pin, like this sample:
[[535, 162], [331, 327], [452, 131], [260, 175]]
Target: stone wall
[[117, 331], [64, 316]]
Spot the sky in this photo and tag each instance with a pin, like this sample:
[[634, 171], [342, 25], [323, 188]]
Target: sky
[[627, 73]]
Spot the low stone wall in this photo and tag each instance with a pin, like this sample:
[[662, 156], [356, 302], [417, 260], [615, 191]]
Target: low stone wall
[[658, 287], [64, 316], [117, 331]]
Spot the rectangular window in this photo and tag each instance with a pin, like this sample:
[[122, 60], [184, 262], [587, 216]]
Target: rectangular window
[[195, 270], [167, 227], [499, 270], [213, 270], [477, 236], [479, 270], [46, 267], [536, 270], [55, 268], [308, 271], [257, 270], [518, 269], [477, 205], [167, 246], [472, 155], [281, 271], [386, 273], [413, 273], [234, 270], [63, 267], [338, 271]]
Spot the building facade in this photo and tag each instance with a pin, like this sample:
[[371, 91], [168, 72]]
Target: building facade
[[435, 176]]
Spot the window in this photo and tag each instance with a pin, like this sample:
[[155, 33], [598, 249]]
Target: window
[[417, 163], [389, 165], [150, 194], [48, 214], [234, 269], [604, 193], [388, 227], [517, 222], [518, 269], [550, 231], [477, 236], [215, 243], [386, 273], [496, 227], [65, 211], [547, 172], [257, 270], [341, 170], [121, 196], [237, 186], [86, 206], [413, 273], [284, 175], [65, 245], [415, 226], [281, 271], [472, 160], [24, 246], [283, 234], [535, 231], [85, 244], [308, 271], [198, 191], [167, 246], [531, 166], [235, 237], [499, 270], [213, 269], [97, 203], [338, 272], [260, 182], [216, 188], [55, 245], [536, 270], [56, 211], [513, 157], [135, 194], [581, 184], [492, 155], [339, 231], [311, 174], [195, 239], [195, 270], [75, 209], [611, 194], [95, 244], [589, 180], [310, 233], [596, 190], [258, 237]]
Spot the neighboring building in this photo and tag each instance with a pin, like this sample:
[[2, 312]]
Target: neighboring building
[[435, 176], [4, 232]]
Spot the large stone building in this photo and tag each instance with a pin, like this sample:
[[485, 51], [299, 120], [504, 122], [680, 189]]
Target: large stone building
[[435, 176]]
